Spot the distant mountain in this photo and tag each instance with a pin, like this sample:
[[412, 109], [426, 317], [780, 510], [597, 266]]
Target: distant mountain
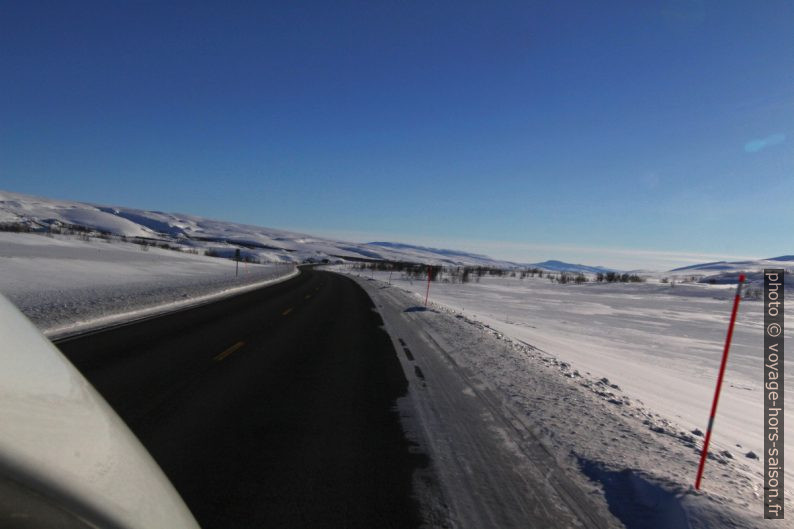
[[785, 261], [452, 257], [560, 266], [716, 265]]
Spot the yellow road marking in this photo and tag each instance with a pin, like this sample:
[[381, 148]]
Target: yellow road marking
[[308, 296], [286, 311], [229, 351]]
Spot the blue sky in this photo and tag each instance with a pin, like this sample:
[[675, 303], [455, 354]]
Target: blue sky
[[626, 134]]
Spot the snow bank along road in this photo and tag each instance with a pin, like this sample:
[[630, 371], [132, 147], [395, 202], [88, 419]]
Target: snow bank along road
[[66, 285], [288, 407]]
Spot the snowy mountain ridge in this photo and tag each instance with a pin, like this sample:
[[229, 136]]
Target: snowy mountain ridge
[[219, 237], [273, 245], [728, 267], [561, 266]]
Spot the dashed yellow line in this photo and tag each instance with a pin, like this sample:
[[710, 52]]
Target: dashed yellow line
[[286, 311], [229, 351]]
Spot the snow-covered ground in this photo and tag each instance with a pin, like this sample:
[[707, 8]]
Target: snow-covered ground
[[658, 348], [68, 284]]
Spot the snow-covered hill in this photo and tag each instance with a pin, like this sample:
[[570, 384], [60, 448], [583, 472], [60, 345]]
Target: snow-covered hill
[[219, 237], [272, 245], [424, 254], [560, 266], [755, 265], [727, 272], [223, 238]]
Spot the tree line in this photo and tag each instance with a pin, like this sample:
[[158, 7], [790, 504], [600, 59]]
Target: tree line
[[466, 274]]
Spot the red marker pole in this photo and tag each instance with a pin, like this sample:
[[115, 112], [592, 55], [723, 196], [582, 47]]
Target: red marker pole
[[427, 293], [704, 453]]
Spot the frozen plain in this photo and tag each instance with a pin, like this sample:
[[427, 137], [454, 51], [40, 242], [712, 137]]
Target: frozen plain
[[660, 345]]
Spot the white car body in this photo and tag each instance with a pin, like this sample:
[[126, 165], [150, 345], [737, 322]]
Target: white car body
[[66, 458]]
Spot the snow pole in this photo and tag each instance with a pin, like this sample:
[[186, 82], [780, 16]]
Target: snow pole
[[427, 293], [704, 453]]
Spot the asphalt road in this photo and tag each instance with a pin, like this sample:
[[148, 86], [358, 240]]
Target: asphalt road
[[274, 408]]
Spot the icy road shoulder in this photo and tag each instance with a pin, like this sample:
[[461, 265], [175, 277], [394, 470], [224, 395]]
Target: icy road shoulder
[[517, 438]]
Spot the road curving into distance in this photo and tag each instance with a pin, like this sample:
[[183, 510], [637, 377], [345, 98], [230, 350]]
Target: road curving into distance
[[274, 408]]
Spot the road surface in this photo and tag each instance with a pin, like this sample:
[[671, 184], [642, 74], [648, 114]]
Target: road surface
[[274, 408], [289, 406]]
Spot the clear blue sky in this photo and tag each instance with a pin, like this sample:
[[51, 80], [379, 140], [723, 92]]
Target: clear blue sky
[[615, 133]]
